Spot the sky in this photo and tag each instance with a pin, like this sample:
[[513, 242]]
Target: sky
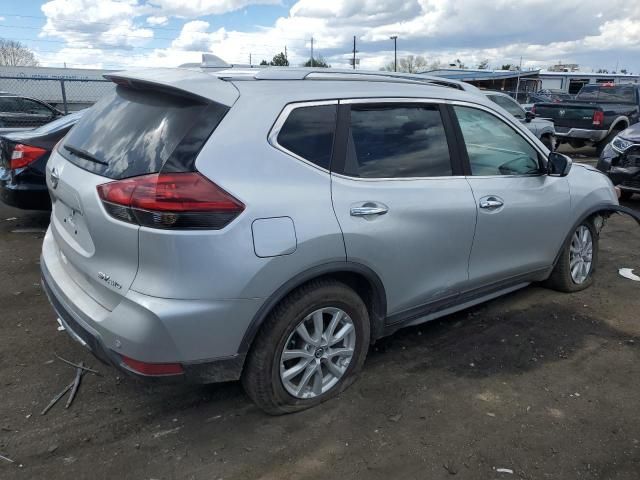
[[143, 33]]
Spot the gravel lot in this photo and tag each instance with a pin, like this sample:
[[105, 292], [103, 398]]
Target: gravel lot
[[542, 384]]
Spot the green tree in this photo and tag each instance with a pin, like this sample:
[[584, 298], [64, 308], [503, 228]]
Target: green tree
[[506, 67], [317, 62], [264, 62], [484, 64], [280, 60]]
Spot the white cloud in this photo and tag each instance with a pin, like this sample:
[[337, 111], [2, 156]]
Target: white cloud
[[153, 20], [198, 8], [89, 23], [541, 31]]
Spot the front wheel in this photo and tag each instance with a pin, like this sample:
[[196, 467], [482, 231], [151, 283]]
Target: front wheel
[[576, 265], [310, 348]]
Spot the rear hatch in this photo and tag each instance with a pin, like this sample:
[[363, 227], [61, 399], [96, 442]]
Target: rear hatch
[[143, 127], [568, 115]]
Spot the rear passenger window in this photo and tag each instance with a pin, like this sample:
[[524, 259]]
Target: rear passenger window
[[397, 141], [308, 133]]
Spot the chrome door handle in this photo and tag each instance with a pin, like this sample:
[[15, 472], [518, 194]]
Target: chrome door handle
[[368, 211], [491, 203]]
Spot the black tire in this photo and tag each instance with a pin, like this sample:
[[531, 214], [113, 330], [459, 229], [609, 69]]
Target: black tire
[[625, 195], [261, 376], [560, 278], [549, 141]]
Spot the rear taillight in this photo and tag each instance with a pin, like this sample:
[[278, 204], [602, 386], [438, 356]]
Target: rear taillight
[[598, 117], [171, 201], [533, 109], [23, 155]]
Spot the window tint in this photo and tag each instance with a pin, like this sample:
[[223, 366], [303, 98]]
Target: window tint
[[9, 104], [607, 93], [509, 105], [34, 108], [308, 132], [134, 132], [396, 141], [494, 148]]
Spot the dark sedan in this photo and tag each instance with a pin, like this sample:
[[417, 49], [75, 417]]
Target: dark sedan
[[620, 159], [23, 157]]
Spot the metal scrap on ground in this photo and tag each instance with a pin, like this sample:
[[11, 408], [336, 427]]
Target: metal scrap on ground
[[73, 386], [628, 273]]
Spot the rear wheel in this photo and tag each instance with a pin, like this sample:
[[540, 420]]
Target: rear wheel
[[576, 265], [310, 348], [549, 141]]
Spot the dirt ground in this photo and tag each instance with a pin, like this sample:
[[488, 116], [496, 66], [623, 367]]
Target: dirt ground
[[542, 384]]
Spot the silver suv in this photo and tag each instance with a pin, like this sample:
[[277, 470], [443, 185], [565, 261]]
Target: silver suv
[[269, 225]]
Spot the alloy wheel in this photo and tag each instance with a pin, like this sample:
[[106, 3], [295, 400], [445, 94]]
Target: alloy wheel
[[317, 353], [581, 254]]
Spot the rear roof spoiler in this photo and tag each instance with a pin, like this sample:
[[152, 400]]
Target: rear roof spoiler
[[186, 82]]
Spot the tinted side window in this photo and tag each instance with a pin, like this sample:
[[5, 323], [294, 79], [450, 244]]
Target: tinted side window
[[397, 141], [9, 104], [308, 132], [494, 148], [509, 105], [33, 107]]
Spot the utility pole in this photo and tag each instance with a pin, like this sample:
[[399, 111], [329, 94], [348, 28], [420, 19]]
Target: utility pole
[[395, 52], [312, 51], [285, 53], [518, 82], [354, 52], [250, 63]]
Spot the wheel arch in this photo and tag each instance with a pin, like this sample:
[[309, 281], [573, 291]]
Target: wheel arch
[[602, 209], [357, 276], [620, 123]]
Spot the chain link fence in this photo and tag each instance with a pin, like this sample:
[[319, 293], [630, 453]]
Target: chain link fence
[[25, 102]]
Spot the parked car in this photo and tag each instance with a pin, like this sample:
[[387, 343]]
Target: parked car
[[620, 159], [268, 225], [543, 129], [529, 99], [20, 113], [595, 116], [23, 157]]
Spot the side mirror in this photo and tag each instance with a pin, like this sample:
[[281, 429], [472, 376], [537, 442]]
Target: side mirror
[[528, 116], [559, 165]]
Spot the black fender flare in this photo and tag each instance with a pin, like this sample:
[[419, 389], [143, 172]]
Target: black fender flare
[[601, 208], [379, 294]]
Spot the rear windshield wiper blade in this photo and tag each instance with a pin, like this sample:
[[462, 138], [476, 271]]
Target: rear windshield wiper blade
[[84, 154]]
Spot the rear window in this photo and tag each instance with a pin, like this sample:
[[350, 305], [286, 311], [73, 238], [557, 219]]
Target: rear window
[[134, 132], [308, 133], [607, 94]]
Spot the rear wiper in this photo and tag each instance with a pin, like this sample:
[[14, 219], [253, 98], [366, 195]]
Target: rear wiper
[[84, 154]]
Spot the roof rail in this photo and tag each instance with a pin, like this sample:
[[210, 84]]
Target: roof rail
[[354, 75]]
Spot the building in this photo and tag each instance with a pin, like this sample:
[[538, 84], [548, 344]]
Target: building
[[65, 88], [502, 80], [572, 82]]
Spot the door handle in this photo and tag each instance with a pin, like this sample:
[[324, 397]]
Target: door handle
[[491, 203], [368, 210]]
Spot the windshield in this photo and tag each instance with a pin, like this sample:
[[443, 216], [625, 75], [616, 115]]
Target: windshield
[[607, 94], [509, 105], [134, 132]]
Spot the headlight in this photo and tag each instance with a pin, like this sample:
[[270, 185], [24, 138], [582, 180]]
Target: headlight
[[621, 145]]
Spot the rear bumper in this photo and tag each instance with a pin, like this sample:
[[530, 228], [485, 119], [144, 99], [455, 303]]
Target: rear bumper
[[26, 196], [583, 134], [147, 329]]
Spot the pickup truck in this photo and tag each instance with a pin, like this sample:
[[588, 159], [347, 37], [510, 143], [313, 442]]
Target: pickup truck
[[596, 115]]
